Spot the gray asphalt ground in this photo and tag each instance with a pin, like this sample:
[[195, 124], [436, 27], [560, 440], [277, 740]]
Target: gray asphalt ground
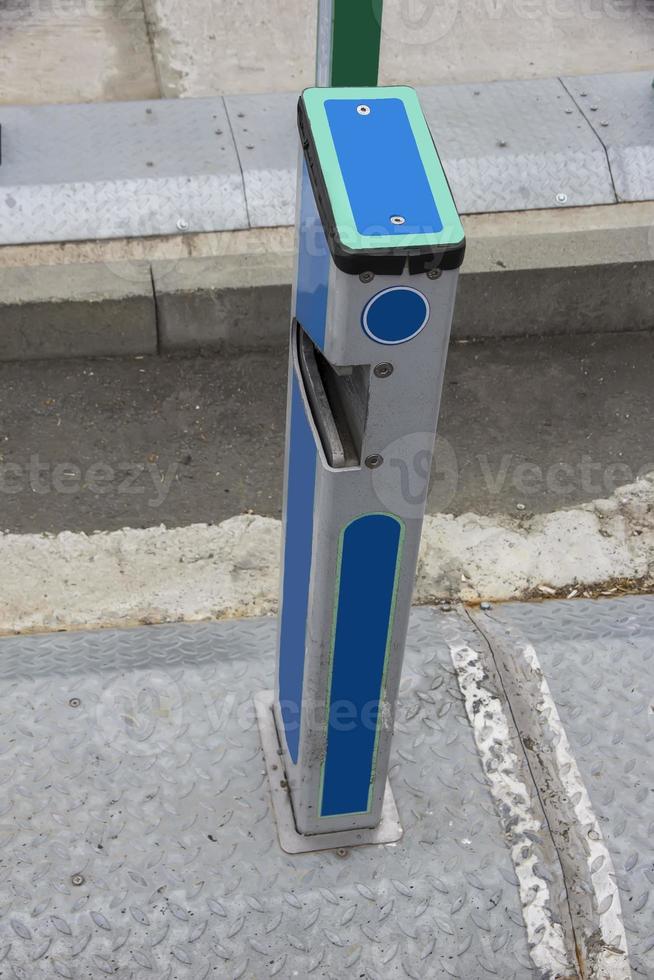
[[533, 425]]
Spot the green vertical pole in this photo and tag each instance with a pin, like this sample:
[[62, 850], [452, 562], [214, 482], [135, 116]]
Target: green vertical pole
[[349, 36]]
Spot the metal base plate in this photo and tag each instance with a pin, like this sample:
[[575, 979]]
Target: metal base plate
[[389, 830]]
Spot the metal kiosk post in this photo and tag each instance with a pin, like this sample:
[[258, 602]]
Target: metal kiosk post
[[379, 245]]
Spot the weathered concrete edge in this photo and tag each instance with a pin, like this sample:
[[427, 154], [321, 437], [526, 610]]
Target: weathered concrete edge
[[528, 273], [158, 575]]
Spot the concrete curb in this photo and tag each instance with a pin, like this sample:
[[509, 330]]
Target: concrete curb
[[76, 311], [578, 270], [237, 301]]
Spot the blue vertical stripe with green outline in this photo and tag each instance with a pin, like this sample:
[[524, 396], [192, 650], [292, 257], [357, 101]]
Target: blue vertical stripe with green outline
[[366, 592]]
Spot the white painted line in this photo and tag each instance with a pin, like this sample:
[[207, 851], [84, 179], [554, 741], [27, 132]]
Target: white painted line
[[516, 810], [590, 879], [612, 962]]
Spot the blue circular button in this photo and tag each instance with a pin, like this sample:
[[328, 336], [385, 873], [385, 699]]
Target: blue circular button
[[395, 315]]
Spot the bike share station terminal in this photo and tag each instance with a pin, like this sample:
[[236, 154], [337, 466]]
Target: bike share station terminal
[[379, 246], [158, 816]]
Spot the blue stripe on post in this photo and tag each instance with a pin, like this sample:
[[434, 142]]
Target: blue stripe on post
[[298, 543], [370, 557], [314, 259]]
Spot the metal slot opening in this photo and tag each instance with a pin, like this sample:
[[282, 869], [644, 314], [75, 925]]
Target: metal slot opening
[[339, 401]]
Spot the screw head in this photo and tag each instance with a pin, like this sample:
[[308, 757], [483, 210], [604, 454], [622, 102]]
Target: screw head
[[383, 370], [374, 461], [561, 198], [77, 880], [486, 606], [74, 702], [341, 852], [397, 219], [366, 276], [363, 109], [434, 273], [182, 224]]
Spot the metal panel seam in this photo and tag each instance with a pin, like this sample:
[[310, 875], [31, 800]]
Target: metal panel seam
[[559, 79], [238, 157]]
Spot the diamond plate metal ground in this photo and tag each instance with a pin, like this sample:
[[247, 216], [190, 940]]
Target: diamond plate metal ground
[[511, 146], [265, 133], [505, 146], [620, 108], [132, 759], [598, 659], [135, 169], [118, 169], [137, 837]]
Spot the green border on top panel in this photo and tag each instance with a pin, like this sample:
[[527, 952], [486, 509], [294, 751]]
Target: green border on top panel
[[452, 231]]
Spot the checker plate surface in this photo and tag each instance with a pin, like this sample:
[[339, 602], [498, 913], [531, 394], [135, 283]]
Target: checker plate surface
[[152, 788], [620, 108], [509, 146], [265, 132], [504, 146], [598, 659], [100, 171], [74, 172]]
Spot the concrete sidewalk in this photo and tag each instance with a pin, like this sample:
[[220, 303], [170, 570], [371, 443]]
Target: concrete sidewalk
[[548, 133], [138, 50], [203, 47]]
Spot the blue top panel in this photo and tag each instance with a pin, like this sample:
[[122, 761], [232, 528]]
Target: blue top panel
[[382, 169]]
